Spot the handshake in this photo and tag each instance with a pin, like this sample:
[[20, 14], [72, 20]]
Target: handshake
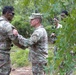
[[22, 41], [53, 35], [15, 32]]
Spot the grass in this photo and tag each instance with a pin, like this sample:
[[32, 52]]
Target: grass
[[19, 57]]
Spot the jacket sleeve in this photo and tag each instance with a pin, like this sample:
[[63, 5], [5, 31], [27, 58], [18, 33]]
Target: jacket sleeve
[[13, 37], [32, 40]]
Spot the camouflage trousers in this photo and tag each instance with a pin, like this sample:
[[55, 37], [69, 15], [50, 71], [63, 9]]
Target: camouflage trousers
[[4, 63], [38, 68]]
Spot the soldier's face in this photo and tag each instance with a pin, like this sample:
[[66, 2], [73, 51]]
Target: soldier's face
[[55, 21], [63, 16], [10, 15], [34, 22]]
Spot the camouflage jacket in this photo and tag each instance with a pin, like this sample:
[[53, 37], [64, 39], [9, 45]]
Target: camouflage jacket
[[38, 44], [6, 34]]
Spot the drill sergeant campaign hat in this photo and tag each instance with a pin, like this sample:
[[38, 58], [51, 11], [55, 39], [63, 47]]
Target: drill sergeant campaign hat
[[35, 15]]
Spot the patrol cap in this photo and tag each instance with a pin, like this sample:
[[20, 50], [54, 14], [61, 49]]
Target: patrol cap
[[35, 15]]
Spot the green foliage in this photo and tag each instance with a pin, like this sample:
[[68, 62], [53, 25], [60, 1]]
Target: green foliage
[[66, 43], [48, 29], [22, 25], [19, 58]]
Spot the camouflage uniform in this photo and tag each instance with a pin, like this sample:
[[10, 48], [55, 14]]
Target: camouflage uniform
[[38, 43], [6, 38]]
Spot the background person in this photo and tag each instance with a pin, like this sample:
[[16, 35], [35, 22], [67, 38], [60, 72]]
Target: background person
[[64, 14], [56, 25], [54, 34]]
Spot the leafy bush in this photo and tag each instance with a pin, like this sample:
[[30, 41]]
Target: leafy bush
[[19, 58], [22, 26]]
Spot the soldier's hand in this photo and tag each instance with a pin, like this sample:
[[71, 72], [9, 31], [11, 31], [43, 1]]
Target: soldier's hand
[[15, 32], [53, 34]]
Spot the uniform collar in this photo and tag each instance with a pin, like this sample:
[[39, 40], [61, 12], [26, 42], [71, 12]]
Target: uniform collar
[[41, 26], [3, 18]]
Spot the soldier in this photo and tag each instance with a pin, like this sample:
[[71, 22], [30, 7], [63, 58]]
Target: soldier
[[64, 14], [7, 36], [56, 26], [38, 44]]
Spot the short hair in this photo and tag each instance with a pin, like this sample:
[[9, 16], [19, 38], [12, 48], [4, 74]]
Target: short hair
[[56, 17], [65, 12], [7, 8]]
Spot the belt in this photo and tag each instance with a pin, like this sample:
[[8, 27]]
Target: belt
[[5, 51]]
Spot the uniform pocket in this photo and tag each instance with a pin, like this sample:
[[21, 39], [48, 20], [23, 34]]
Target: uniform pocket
[[1, 57]]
